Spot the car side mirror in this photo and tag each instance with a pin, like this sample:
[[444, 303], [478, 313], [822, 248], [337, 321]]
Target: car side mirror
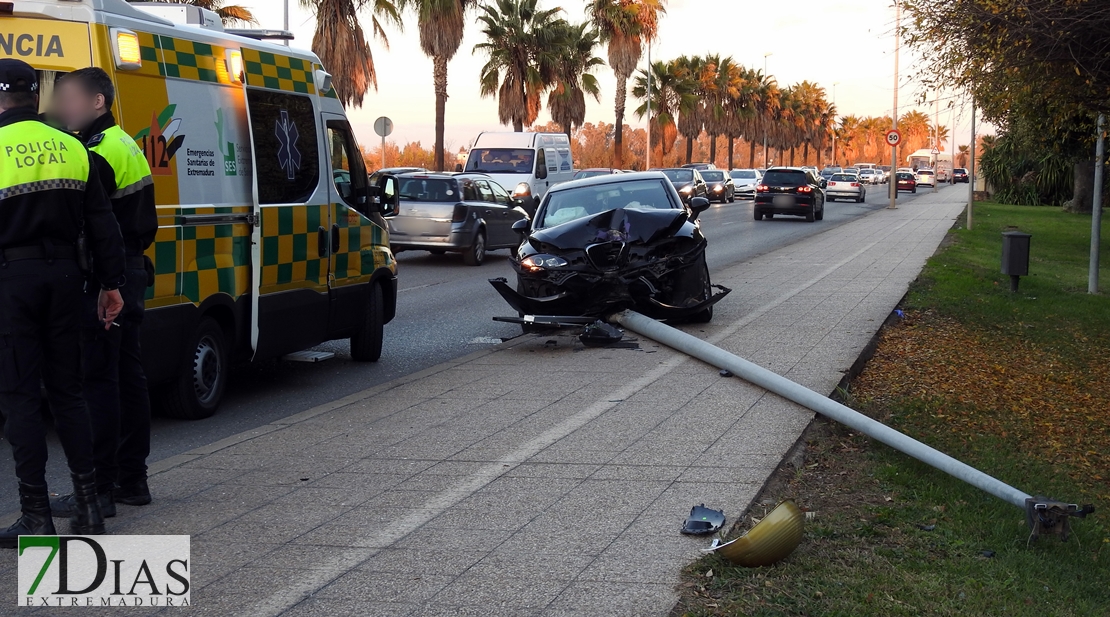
[[387, 197], [522, 226], [824, 183], [698, 205]]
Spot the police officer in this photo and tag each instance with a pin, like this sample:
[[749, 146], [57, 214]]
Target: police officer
[[114, 382], [48, 191]]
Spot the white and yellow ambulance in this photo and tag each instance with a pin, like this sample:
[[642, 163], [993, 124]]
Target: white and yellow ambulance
[[270, 240]]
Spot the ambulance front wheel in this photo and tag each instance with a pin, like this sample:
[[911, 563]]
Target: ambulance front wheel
[[366, 344], [197, 392]]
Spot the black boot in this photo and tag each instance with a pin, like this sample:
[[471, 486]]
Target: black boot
[[135, 493], [87, 518], [36, 521], [66, 506]]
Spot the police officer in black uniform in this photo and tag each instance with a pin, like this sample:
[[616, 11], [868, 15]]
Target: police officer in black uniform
[[49, 191], [114, 381]]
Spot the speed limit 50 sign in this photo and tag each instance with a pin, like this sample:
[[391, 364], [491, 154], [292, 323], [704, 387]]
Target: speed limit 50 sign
[[893, 137]]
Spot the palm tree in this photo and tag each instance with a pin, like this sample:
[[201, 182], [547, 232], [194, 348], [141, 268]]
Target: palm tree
[[691, 115], [522, 47], [850, 137], [916, 129], [765, 102], [230, 14], [441, 27], [341, 45], [574, 78], [741, 107], [964, 154], [669, 94], [624, 25]]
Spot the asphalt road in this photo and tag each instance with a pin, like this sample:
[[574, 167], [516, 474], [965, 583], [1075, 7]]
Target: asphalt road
[[444, 311]]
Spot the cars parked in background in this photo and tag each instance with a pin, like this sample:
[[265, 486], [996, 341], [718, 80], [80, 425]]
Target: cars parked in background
[[851, 170], [687, 181], [845, 186], [905, 181], [595, 171], [870, 176], [464, 213], [745, 181], [927, 177], [719, 185], [959, 174], [792, 191], [699, 166]]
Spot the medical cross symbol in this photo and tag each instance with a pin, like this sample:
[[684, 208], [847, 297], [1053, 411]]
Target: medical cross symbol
[[289, 157]]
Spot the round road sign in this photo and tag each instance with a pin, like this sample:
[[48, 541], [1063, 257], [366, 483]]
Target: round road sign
[[893, 137], [383, 126]]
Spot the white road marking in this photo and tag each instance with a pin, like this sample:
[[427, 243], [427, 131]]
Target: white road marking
[[485, 340]]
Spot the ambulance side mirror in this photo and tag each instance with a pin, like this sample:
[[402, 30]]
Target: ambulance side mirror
[[387, 195]]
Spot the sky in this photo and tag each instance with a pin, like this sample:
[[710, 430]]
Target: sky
[[846, 43]]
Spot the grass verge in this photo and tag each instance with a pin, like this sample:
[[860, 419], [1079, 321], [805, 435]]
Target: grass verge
[[1013, 384]]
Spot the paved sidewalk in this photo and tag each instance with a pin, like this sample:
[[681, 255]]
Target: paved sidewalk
[[537, 477]]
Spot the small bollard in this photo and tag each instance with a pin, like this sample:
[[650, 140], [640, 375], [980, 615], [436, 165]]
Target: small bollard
[[1015, 256]]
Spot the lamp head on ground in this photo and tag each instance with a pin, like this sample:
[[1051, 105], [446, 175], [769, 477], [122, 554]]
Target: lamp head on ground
[[1015, 256]]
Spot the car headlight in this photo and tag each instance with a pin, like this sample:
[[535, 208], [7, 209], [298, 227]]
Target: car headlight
[[718, 188], [539, 262], [522, 190], [686, 189]]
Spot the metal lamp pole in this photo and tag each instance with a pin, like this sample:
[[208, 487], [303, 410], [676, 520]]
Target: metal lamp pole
[[647, 157], [971, 168], [894, 116], [1096, 207], [835, 84], [287, 21]]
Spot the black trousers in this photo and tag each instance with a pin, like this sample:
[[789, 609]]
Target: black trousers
[[40, 344], [115, 386]]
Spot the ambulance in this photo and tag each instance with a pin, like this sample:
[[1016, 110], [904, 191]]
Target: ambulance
[[271, 239]]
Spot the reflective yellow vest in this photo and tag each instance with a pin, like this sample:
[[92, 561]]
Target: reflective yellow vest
[[35, 157], [128, 163]]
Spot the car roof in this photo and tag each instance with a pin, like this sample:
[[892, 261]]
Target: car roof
[[597, 180]]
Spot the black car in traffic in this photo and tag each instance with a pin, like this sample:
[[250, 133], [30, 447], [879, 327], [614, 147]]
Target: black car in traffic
[[719, 186], [959, 174], [792, 191], [688, 183]]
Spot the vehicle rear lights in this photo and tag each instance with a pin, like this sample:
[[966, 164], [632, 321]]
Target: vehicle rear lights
[[126, 48], [762, 188], [233, 61], [459, 214], [805, 189], [855, 185]]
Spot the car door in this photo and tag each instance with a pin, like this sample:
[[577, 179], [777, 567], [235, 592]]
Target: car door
[[493, 213]]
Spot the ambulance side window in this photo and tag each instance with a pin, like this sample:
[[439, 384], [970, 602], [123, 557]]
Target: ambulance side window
[[285, 133], [348, 172]]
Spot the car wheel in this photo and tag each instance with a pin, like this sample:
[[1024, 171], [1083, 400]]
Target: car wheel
[[913, 190], [706, 315], [821, 212], [476, 254], [198, 390], [812, 214], [366, 344], [758, 215]]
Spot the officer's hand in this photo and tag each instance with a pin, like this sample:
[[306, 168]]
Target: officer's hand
[[109, 306]]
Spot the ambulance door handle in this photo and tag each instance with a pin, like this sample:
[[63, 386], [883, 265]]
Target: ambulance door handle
[[322, 243], [335, 239]]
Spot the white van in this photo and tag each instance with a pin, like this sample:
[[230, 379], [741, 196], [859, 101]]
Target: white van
[[525, 163]]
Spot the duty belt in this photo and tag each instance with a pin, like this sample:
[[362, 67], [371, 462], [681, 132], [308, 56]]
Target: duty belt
[[20, 253]]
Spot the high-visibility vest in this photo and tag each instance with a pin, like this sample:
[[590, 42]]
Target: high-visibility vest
[[35, 157], [129, 164]]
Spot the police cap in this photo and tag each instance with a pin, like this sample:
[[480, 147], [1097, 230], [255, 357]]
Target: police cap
[[17, 76]]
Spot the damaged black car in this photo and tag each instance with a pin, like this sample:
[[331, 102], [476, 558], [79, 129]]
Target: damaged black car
[[600, 245]]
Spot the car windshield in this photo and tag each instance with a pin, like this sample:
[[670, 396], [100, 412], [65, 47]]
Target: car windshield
[[679, 175], [429, 189], [843, 178], [784, 177], [904, 176], [575, 203], [744, 174], [713, 176], [959, 170], [501, 160]]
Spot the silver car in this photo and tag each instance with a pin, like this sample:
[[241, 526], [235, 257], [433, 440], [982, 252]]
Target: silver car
[[871, 176], [845, 186], [464, 213], [745, 181]]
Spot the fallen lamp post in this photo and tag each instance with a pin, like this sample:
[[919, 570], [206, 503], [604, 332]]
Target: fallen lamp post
[[1043, 515], [1015, 256]]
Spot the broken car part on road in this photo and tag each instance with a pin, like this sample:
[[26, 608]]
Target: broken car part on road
[[703, 521], [770, 541], [1045, 516]]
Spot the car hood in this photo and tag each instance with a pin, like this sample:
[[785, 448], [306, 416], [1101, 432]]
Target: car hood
[[617, 225]]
